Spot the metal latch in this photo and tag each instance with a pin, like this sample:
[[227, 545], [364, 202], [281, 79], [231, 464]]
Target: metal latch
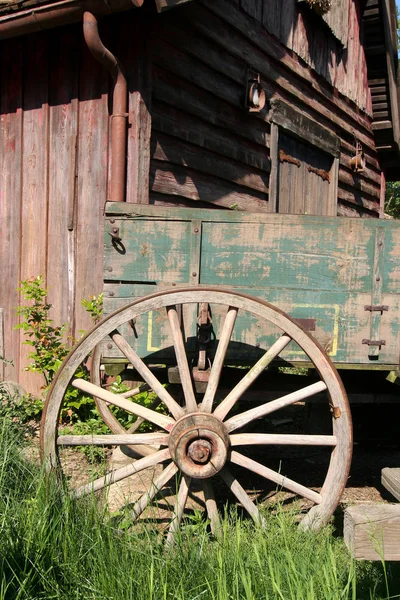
[[374, 342], [376, 307]]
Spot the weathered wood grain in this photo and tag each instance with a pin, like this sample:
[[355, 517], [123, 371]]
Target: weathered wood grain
[[172, 151], [63, 133], [188, 183], [11, 78], [167, 119], [391, 481], [272, 48], [312, 267], [35, 180], [136, 61], [372, 531], [91, 190], [196, 101]]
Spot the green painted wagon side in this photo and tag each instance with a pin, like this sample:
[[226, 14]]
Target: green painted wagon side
[[339, 277]]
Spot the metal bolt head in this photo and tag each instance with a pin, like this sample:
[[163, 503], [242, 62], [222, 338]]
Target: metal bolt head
[[378, 278], [196, 230], [194, 274], [111, 294], [112, 220], [200, 451], [109, 346], [109, 269]]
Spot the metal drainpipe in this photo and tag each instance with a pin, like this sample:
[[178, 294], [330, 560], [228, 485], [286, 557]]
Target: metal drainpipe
[[120, 114], [57, 14]]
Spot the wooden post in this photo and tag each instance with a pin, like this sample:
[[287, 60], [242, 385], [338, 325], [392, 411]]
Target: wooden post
[[372, 531]]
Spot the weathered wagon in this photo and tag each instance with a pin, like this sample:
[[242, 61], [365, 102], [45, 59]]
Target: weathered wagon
[[228, 266]]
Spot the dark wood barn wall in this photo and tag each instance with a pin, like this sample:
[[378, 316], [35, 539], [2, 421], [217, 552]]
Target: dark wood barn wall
[[201, 54], [187, 71]]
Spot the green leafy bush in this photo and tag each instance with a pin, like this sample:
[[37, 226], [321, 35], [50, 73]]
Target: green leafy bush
[[49, 348]]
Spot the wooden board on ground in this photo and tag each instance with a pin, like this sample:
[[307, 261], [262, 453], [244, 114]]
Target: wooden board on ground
[[391, 481], [372, 531]]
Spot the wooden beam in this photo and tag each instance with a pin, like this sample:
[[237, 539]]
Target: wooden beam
[[391, 481], [372, 531]]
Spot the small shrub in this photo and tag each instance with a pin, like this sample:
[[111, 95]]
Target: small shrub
[[49, 348]]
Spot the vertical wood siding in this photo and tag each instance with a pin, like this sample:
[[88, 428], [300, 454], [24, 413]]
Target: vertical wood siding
[[10, 200], [54, 169]]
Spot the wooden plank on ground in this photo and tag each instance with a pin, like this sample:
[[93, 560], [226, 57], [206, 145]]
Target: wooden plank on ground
[[372, 531], [391, 481]]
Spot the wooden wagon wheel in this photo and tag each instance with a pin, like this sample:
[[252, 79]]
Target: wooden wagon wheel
[[106, 414], [203, 439]]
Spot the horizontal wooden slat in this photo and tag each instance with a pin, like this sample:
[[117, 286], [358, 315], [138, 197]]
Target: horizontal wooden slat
[[167, 149], [177, 181]]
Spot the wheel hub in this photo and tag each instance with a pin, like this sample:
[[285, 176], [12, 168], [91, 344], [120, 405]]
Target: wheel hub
[[199, 445]]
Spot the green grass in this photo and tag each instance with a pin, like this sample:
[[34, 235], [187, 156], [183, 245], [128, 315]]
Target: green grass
[[54, 548]]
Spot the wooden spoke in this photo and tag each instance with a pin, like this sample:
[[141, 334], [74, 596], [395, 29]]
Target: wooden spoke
[[136, 409], [222, 410], [265, 409], [123, 472], [176, 410], [181, 359], [211, 506], [281, 439], [113, 440], [229, 323], [240, 494], [180, 504], [277, 478], [154, 489]]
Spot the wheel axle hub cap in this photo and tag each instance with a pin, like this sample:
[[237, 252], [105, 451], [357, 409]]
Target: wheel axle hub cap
[[199, 445]]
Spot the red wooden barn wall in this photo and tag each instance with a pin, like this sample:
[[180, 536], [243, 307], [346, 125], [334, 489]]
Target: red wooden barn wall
[[186, 71]]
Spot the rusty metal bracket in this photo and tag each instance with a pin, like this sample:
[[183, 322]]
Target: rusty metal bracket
[[320, 172], [115, 234], [376, 307], [374, 342], [283, 157]]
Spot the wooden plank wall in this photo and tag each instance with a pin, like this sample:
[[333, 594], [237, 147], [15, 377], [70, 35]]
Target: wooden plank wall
[[54, 173], [206, 150]]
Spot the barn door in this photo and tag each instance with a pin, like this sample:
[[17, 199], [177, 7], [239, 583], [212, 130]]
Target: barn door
[[305, 179], [304, 164]]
